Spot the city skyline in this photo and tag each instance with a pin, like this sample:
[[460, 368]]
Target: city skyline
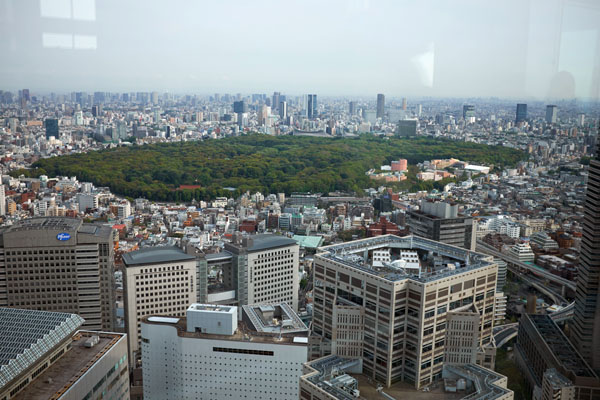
[[352, 48]]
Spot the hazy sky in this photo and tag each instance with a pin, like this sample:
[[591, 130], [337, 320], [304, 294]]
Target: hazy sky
[[504, 48]]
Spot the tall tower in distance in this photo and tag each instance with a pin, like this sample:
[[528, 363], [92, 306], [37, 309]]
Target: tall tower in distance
[[586, 319], [51, 125], [380, 105], [521, 113], [404, 104], [312, 106], [275, 102], [283, 110], [352, 108], [468, 111], [551, 113]]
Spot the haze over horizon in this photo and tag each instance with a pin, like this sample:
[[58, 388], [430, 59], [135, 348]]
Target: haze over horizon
[[541, 49]]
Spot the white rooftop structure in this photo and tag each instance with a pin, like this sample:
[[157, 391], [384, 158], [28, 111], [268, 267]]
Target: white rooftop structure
[[211, 319]]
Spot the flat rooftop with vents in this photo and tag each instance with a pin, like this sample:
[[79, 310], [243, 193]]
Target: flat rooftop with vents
[[445, 260], [156, 255]]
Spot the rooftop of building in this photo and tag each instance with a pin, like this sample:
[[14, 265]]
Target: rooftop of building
[[210, 307], [252, 329], [555, 379], [338, 376], [274, 318], [560, 346], [221, 256], [483, 379], [256, 243], [55, 223], [309, 242], [61, 375], [59, 224], [156, 255], [460, 259], [26, 335]]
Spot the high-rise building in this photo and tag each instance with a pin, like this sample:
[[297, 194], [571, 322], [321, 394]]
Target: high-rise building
[[157, 280], [407, 127], [541, 347], [97, 110], [211, 354], [521, 113], [2, 201], [73, 260], [468, 111], [121, 129], [154, 97], [51, 125], [352, 108], [551, 113], [265, 269], [404, 104], [440, 221], [275, 102], [419, 110], [25, 95], [283, 110], [311, 110], [12, 124], [263, 115], [586, 318], [45, 356], [380, 105], [99, 97], [393, 318], [79, 118], [240, 107]]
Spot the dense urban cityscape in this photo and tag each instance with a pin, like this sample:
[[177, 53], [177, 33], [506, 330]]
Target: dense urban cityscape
[[299, 200], [467, 274]]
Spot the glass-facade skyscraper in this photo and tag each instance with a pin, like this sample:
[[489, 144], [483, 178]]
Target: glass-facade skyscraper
[[311, 109], [380, 105], [586, 318], [51, 125], [521, 113]]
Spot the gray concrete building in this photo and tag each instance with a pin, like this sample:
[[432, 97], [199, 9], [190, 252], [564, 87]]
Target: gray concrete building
[[542, 347], [441, 222], [59, 264], [393, 318]]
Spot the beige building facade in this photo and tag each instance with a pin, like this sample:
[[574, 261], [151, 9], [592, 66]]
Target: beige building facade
[[157, 281], [403, 316]]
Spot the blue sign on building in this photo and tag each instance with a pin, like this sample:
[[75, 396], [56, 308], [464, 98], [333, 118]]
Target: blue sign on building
[[63, 236]]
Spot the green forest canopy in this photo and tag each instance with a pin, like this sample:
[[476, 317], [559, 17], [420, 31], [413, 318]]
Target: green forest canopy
[[269, 164]]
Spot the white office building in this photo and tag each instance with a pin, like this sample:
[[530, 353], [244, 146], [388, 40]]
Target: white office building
[[210, 354]]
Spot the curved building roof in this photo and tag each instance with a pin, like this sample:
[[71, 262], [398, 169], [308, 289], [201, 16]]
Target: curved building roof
[[156, 255]]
